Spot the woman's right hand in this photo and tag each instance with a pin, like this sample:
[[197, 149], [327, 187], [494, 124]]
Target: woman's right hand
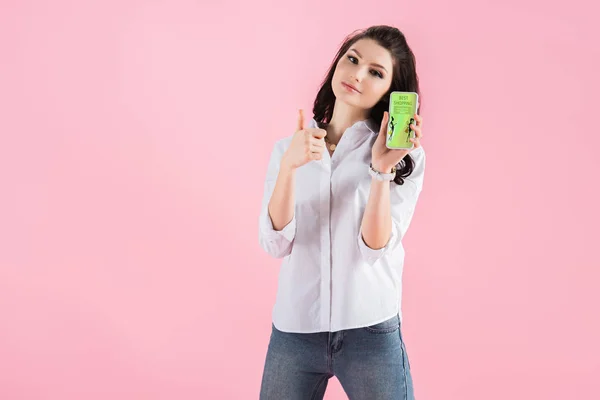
[[307, 145]]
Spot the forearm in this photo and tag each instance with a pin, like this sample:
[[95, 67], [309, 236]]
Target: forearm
[[376, 224], [282, 202]]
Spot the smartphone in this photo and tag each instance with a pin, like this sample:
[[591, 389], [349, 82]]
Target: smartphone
[[403, 107]]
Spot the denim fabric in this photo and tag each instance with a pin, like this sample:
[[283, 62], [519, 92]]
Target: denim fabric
[[371, 364]]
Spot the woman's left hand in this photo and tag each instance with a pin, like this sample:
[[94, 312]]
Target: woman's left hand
[[385, 159]]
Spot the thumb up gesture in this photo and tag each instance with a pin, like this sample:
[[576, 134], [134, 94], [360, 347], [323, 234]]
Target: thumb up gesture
[[307, 145]]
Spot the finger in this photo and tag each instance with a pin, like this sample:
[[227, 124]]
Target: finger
[[384, 122], [383, 129], [416, 142], [316, 148], [300, 119], [319, 133], [419, 119], [417, 129], [317, 142], [316, 156]]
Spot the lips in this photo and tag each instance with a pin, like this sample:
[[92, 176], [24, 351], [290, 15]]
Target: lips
[[350, 87]]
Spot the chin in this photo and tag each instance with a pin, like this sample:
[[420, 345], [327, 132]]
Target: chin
[[352, 102], [345, 97]]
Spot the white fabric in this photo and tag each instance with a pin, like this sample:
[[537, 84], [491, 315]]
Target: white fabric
[[329, 279]]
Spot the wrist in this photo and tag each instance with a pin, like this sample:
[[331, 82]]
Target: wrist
[[381, 176], [286, 167], [382, 168]]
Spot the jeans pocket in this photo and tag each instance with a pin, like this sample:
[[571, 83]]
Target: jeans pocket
[[387, 326]]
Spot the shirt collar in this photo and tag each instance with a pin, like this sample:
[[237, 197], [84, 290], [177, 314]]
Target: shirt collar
[[366, 126]]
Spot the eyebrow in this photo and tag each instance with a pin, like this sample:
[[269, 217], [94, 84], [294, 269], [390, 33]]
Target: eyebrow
[[375, 65]]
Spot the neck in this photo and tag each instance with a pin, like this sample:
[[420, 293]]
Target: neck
[[344, 116]]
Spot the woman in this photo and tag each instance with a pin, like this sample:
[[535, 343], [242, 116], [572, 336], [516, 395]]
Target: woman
[[336, 206]]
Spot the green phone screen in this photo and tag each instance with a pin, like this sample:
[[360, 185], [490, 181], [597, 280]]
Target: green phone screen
[[403, 107]]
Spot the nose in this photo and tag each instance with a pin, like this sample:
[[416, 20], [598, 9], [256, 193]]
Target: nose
[[360, 74]]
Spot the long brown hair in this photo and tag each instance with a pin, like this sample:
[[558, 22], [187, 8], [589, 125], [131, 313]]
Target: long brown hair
[[404, 78]]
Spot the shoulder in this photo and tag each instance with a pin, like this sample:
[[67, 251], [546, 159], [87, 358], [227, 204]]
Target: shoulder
[[418, 157], [415, 179], [284, 143], [278, 149], [418, 154], [281, 145]]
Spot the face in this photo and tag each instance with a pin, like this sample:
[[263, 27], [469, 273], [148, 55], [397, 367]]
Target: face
[[363, 75]]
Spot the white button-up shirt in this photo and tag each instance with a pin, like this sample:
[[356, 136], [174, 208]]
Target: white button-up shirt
[[329, 279]]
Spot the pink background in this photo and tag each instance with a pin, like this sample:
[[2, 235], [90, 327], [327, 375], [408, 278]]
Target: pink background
[[129, 258]]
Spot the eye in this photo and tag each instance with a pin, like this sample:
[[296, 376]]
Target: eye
[[374, 72]]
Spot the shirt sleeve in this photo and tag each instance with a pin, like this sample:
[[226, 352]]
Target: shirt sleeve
[[403, 199], [276, 243]]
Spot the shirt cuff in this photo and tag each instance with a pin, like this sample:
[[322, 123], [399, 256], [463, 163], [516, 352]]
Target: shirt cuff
[[371, 256], [269, 232]]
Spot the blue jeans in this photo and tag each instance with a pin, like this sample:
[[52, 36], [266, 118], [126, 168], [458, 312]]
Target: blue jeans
[[370, 363]]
